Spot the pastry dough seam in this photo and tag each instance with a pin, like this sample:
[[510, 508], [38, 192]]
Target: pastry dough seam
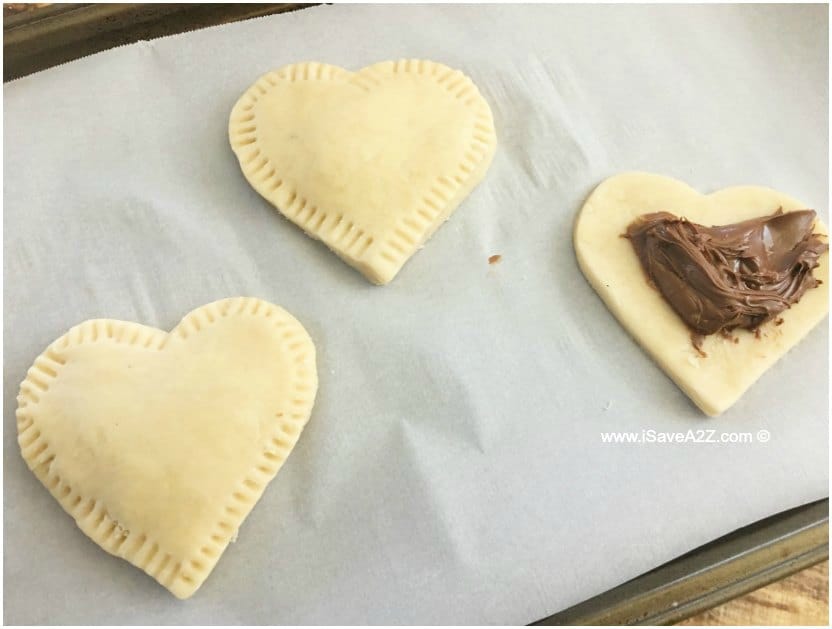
[[413, 229], [182, 577]]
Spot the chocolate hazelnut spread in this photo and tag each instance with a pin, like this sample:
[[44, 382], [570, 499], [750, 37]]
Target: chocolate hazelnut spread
[[733, 276]]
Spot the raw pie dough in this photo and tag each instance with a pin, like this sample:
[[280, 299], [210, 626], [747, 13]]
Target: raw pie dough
[[160, 444], [610, 264], [370, 162]]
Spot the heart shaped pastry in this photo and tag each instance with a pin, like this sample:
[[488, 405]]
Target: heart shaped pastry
[[160, 444], [725, 367], [370, 162]]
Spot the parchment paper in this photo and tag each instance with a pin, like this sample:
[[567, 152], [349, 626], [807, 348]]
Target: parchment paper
[[452, 471]]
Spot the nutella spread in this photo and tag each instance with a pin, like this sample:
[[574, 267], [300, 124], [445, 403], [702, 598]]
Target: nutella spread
[[734, 276]]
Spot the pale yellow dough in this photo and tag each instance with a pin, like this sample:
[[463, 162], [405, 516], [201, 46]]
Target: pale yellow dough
[[370, 162], [160, 444], [610, 264]]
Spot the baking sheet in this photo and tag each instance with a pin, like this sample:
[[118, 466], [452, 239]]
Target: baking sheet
[[453, 470]]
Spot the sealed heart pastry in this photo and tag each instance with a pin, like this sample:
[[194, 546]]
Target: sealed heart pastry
[[159, 444], [716, 288], [369, 162]]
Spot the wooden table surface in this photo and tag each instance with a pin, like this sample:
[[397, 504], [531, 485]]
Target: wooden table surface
[[801, 599]]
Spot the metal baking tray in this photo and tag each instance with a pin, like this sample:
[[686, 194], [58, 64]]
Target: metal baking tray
[[40, 37]]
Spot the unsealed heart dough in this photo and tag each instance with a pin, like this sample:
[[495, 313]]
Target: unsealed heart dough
[[611, 265], [370, 162], [160, 444]]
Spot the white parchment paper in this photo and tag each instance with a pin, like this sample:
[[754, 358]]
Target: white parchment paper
[[453, 470]]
